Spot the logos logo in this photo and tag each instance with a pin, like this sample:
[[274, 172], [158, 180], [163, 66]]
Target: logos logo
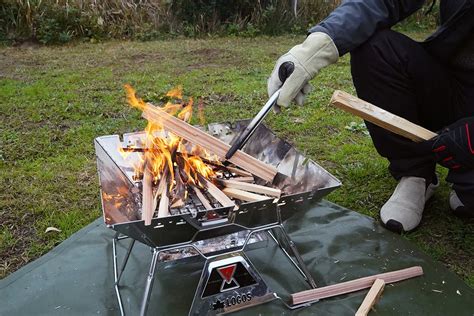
[[228, 280]]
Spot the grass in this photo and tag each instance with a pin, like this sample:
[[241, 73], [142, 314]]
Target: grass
[[56, 100]]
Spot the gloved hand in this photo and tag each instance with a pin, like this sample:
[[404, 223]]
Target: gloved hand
[[454, 146], [316, 52]]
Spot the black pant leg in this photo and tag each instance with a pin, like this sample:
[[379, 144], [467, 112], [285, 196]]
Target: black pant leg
[[395, 73], [463, 181]]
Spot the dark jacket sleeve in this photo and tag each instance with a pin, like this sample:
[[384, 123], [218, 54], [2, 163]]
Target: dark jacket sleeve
[[355, 21]]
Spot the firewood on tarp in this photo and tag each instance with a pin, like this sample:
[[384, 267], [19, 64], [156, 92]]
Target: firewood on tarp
[[354, 285], [244, 195], [371, 298], [251, 187]]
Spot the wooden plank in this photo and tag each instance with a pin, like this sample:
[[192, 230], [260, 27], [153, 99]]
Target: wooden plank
[[217, 194], [244, 195], [163, 208], [238, 171], [371, 298], [244, 179], [380, 117], [147, 196], [354, 285], [251, 187], [206, 141], [202, 198]]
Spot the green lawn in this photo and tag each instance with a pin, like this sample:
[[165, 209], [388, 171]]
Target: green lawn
[[55, 100]]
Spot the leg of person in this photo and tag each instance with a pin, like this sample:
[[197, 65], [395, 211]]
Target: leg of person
[[395, 73], [462, 196], [461, 199]]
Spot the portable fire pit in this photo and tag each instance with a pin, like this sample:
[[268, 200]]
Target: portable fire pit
[[215, 218]]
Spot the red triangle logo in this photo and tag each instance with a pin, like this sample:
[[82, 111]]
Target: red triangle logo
[[227, 272]]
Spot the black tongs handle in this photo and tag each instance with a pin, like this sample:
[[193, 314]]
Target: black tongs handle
[[250, 129], [285, 70]]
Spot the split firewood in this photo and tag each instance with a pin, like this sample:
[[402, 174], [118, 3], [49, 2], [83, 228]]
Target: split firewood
[[217, 194], [239, 171], [162, 194], [354, 285], [244, 179], [205, 202], [380, 117], [208, 142], [251, 187], [147, 196], [163, 208], [180, 192], [244, 195], [371, 298]]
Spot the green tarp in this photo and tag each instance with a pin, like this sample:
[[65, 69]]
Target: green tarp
[[337, 244]]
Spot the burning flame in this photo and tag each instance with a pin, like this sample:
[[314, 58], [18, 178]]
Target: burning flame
[[166, 155]]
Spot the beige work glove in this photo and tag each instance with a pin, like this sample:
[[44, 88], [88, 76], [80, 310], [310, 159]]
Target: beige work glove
[[304, 60]]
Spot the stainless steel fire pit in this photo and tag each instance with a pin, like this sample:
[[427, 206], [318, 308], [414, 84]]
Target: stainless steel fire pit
[[191, 227]]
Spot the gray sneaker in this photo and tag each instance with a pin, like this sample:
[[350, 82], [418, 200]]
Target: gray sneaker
[[458, 207], [403, 211]]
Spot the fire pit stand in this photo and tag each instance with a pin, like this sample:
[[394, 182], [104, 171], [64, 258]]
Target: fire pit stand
[[229, 280]]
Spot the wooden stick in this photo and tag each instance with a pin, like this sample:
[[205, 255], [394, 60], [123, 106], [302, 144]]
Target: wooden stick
[[239, 172], [202, 198], [147, 196], [160, 189], [163, 209], [206, 141], [380, 117], [372, 297], [251, 187], [244, 195], [355, 285], [244, 179], [217, 194]]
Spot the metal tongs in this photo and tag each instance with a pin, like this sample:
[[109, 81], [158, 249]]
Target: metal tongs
[[244, 137], [285, 70]]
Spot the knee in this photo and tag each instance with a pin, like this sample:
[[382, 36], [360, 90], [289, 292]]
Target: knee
[[375, 48]]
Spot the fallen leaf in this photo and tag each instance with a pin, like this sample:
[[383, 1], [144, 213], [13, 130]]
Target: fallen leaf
[[52, 229]]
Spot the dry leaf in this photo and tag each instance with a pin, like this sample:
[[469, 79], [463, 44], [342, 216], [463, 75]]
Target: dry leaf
[[52, 229]]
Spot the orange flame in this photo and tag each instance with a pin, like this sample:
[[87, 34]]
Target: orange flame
[[161, 148]]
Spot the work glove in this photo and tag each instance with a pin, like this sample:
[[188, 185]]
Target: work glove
[[454, 146], [293, 70]]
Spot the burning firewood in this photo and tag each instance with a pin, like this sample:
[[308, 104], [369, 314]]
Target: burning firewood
[[164, 117], [175, 163], [163, 209], [147, 196]]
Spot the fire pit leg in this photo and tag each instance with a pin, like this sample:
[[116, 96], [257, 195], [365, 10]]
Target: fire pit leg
[[289, 249], [149, 282], [116, 275], [124, 263]]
